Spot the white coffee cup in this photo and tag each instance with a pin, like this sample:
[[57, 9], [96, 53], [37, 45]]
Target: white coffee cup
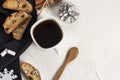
[[36, 25]]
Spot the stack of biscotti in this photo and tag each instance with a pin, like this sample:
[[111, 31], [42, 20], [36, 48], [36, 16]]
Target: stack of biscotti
[[31, 72], [18, 21]]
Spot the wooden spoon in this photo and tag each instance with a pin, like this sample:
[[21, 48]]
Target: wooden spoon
[[72, 54]]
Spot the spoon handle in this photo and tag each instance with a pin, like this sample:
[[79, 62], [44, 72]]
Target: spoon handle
[[60, 71]]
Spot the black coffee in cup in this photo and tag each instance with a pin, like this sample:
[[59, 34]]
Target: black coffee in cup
[[47, 34]]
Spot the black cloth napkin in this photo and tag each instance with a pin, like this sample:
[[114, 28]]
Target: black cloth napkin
[[8, 42], [11, 71]]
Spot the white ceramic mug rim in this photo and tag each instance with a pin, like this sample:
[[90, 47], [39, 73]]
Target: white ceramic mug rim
[[35, 24]]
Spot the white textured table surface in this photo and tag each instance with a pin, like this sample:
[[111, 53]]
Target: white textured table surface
[[96, 34]]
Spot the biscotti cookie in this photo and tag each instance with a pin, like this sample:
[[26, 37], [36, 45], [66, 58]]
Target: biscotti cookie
[[18, 5], [30, 71], [19, 31], [14, 20]]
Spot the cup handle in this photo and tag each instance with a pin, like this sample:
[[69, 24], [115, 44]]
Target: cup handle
[[57, 51]]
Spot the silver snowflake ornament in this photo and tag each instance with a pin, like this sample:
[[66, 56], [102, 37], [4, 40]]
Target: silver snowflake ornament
[[7, 75]]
